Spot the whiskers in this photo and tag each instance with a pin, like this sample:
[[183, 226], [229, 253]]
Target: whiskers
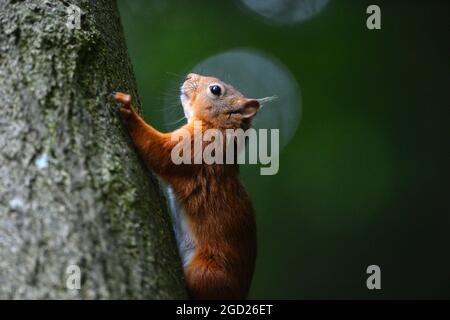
[[190, 86], [176, 75], [173, 123], [170, 99]]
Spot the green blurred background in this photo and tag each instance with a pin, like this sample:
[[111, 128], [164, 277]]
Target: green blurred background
[[365, 179]]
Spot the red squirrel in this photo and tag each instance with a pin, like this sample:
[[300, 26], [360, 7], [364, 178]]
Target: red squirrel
[[215, 224]]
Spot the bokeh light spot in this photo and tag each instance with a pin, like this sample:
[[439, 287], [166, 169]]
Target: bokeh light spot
[[256, 75], [285, 11]]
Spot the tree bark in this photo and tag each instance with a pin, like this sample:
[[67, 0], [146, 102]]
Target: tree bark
[[72, 189]]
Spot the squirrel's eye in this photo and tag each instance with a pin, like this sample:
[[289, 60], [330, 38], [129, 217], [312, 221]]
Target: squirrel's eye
[[215, 90]]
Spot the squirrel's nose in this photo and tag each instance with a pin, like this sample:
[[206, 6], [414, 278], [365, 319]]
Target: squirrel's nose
[[190, 76]]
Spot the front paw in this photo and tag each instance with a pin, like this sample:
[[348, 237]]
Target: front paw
[[125, 100]]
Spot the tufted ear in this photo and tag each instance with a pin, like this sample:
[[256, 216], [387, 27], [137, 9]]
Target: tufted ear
[[250, 108]]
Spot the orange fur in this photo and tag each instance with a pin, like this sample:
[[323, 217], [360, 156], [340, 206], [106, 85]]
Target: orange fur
[[218, 210]]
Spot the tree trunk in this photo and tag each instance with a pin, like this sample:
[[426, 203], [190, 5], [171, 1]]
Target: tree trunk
[[72, 189]]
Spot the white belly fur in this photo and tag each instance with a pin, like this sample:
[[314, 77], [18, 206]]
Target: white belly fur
[[186, 245]]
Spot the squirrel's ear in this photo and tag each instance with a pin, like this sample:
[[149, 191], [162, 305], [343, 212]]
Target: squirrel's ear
[[250, 108]]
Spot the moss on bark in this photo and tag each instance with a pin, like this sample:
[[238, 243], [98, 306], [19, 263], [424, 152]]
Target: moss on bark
[[72, 189]]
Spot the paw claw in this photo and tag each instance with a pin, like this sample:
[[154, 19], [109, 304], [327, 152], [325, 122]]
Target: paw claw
[[123, 98], [125, 111]]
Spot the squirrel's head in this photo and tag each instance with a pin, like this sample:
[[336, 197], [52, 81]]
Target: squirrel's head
[[210, 99]]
